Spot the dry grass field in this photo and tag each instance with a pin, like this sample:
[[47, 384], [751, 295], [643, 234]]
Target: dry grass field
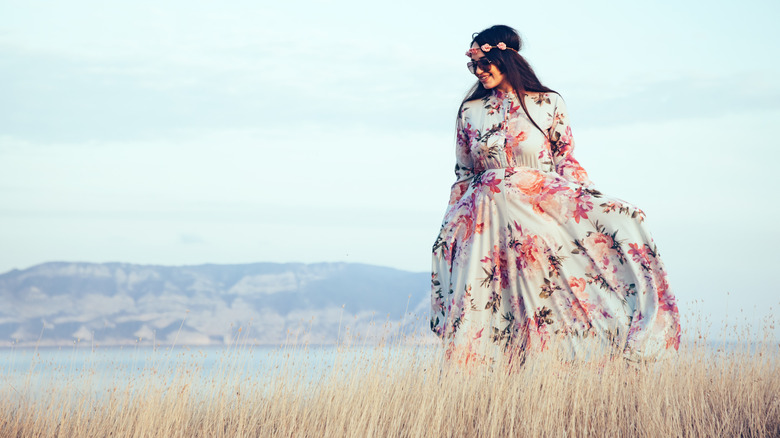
[[404, 391]]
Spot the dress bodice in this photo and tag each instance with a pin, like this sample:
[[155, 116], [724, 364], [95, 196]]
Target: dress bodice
[[498, 133], [495, 132]]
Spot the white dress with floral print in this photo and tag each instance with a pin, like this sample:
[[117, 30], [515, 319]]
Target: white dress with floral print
[[530, 253]]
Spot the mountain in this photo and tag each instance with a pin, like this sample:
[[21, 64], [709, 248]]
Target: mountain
[[107, 304]]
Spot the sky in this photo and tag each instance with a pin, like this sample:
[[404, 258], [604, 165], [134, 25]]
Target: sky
[[189, 132]]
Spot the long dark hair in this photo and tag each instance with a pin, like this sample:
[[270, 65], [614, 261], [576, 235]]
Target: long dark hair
[[516, 69]]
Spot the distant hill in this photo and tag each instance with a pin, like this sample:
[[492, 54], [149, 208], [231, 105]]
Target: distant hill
[[123, 304]]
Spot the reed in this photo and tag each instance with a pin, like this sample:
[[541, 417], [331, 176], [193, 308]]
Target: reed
[[403, 390]]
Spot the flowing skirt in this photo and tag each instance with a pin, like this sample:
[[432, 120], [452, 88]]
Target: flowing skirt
[[527, 260]]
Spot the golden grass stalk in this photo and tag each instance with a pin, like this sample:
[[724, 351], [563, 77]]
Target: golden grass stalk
[[405, 391]]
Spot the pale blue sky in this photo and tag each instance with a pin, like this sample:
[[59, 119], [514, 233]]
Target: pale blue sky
[[187, 132]]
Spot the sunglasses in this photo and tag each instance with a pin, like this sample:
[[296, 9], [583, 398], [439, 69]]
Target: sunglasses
[[482, 63]]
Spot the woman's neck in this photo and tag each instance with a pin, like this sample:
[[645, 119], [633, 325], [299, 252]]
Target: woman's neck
[[504, 91], [505, 88]]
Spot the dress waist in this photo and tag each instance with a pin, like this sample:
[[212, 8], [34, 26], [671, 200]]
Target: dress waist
[[519, 161]]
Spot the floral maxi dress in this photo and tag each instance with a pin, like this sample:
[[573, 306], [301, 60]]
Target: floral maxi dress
[[530, 255]]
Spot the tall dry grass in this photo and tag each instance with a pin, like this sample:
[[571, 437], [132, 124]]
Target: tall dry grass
[[404, 391]]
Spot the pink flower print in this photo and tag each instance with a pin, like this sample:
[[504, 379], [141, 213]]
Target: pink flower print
[[463, 144], [544, 154], [603, 239], [583, 205], [470, 131], [514, 135], [486, 47], [501, 46], [492, 183], [497, 257], [577, 285], [517, 304], [509, 152], [570, 168], [564, 142], [521, 136], [465, 221], [600, 247], [579, 174], [504, 273], [457, 192], [668, 303], [578, 288], [673, 341], [513, 109], [530, 183], [639, 254], [465, 134], [482, 218], [528, 254]]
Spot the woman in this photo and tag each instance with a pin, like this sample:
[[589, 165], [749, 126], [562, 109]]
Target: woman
[[530, 255]]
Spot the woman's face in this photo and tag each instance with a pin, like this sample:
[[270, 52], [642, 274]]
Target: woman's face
[[491, 78]]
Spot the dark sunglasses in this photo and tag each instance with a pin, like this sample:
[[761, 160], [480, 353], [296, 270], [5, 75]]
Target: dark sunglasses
[[482, 63]]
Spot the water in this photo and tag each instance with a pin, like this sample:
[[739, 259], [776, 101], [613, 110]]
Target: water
[[34, 372]]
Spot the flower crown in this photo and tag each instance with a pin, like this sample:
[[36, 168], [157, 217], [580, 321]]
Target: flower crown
[[486, 48]]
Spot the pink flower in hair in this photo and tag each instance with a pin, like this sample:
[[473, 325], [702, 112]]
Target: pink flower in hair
[[486, 47], [501, 46]]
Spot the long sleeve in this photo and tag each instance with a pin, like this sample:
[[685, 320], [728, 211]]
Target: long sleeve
[[562, 147], [464, 168]]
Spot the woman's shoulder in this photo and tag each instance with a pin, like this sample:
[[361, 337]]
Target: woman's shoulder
[[475, 103], [471, 105], [542, 98]]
